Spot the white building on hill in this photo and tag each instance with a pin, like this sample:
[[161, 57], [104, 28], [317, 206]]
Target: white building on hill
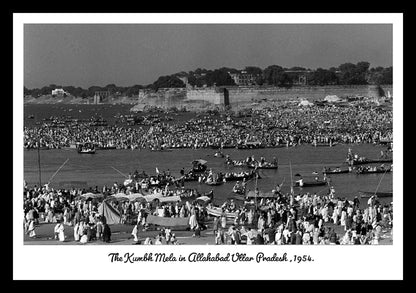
[[59, 92]]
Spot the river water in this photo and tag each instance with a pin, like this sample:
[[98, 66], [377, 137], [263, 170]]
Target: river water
[[97, 169]]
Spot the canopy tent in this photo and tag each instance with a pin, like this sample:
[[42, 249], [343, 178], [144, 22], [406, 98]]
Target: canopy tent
[[111, 215], [92, 195]]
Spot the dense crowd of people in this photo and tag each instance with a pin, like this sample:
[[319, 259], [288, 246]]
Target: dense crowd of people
[[270, 127], [284, 219]]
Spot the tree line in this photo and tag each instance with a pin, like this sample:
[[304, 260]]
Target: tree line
[[273, 75]]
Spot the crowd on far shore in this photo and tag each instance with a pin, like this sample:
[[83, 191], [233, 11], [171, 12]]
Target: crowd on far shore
[[284, 219], [269, 127]]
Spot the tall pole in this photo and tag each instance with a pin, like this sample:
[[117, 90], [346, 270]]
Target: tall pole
[[378, 185], [291, 184], [255, 194], [40, 178]]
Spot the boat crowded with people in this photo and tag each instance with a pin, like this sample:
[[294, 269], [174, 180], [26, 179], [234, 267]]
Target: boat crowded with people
[[373, 170], [86, 148], [337, 170]]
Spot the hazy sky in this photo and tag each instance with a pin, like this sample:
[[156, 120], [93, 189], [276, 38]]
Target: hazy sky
[[127, 54]]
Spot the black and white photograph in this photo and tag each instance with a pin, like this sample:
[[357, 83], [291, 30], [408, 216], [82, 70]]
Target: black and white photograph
[[200, 140]]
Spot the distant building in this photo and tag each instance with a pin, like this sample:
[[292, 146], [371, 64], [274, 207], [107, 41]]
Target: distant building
[[99, 96], [299, 77], [59, 92], [244, 79]]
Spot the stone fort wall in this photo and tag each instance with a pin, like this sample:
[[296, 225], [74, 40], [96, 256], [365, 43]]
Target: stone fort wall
[[218, 96], [312, 93]]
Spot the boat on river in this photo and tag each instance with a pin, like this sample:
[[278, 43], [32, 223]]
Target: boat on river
[[109, 147], [363, 161], [336, 171], [312, 183], [323, 144], [86, 148], [265, 165], [372, 170], [233, 176], [199, 165], [207, 195]]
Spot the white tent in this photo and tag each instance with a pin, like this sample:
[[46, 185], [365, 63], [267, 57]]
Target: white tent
[[305, 103], [332, 98]]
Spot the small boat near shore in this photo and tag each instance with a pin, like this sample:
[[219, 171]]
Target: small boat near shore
[[335, 171], [375, 170], [263, 166], [86, 148], [301, 183], [239, 176], [208, 195]]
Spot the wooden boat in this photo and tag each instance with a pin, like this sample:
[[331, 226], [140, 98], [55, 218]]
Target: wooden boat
[[363, 161], [237, 163], [251, 145], [86, 148], [335, 171], [218, 212], [366, 194], [310, 183], [190, 176], [199, 165], [160, 150], [209, 195], [266, 166], [236, 177], [369, 171]]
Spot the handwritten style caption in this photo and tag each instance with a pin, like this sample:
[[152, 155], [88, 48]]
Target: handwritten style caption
[[195, 257]]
